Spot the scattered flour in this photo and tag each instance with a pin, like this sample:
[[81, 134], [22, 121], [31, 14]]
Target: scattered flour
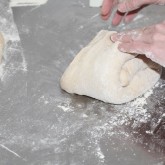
[[79, 4], [139, 16], [2, 70], [100, 154], [81, 128], [141, 101], [13, 57], [15, 3], [94, 16], [65, 108], [111, 123]]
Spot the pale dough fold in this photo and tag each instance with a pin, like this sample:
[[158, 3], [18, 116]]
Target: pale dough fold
[[101, 71]]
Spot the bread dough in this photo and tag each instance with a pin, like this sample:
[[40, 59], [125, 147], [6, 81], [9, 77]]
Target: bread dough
[[101, 71], [1, 46]]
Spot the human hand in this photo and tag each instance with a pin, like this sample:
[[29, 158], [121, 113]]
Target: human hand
[[131, 6], [149, 41], [107, 8]]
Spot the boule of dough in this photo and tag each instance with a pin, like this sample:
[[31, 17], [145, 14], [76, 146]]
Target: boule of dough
[[2, 43], [101, 71]]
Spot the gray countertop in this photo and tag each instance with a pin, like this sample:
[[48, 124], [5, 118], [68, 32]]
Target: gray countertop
[[41, 124]]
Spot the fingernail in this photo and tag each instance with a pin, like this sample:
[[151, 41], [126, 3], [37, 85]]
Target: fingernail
[[113, 37]]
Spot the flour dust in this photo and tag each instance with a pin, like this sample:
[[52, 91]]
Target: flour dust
[[13, 57]]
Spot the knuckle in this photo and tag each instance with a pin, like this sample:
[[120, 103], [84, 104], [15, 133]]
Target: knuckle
[[158, 26], [155, 36], [148, 30], [128, 5], [152, 1], [151, 47], [135, 3]]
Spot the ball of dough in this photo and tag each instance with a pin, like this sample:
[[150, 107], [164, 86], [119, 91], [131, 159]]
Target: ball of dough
[[101, 71]]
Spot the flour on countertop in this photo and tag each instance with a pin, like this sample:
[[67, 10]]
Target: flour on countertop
[[79, 3], [15, 3], [13, 57], [65, 108], [139, 16], [99, 154], [110, 124]]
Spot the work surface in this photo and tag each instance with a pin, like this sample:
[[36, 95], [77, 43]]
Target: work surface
[[41, 124]]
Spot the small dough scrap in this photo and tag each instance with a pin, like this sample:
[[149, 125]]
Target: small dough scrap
[[2, 43], [95, 3], [101, 71]]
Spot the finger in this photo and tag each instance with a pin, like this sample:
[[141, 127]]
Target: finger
[[105, 17], [130, 17], [120, 37], [127, 36], [135, 47], [117, 18], [144, 49], [106, 8], [146, 35], [160, 28], [131, 5]]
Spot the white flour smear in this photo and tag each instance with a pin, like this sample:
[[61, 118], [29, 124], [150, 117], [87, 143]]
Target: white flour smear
[[13, 58], [15, 3], [96, 126]]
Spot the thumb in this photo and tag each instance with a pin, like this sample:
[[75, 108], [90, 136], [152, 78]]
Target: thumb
[[135, 47], [130, 5]]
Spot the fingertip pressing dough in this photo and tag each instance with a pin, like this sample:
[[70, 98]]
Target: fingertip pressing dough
[[101, 71], [2, 43]]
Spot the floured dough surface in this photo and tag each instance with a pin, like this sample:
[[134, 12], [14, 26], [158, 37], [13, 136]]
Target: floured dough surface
[[101, 71], [2, 43]]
